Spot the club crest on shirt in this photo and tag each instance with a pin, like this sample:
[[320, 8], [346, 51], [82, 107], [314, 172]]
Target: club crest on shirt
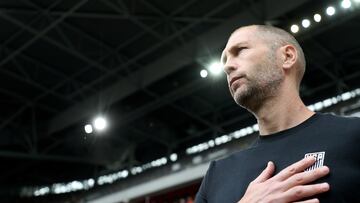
[[319, 156]]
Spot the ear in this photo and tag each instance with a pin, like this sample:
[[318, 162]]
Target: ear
[[288, 56]]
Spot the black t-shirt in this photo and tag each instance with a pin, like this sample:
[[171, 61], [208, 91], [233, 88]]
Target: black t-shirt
[[332, 138]]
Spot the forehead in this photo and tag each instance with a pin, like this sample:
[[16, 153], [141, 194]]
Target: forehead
[[242, 35]]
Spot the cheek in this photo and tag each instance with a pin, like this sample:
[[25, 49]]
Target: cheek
[[231, 91]]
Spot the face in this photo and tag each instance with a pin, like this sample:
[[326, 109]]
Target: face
[[251, 68]]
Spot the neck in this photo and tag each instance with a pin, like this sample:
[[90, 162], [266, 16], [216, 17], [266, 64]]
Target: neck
[[281, 112]]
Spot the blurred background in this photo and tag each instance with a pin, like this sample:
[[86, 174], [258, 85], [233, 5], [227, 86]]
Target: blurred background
[[125, 101]]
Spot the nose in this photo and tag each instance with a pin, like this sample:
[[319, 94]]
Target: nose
[[229, 66]]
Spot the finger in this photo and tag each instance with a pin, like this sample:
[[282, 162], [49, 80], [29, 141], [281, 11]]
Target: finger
[[306, 177], [295, 168], [304, 191], [309, 201], [266, 173]]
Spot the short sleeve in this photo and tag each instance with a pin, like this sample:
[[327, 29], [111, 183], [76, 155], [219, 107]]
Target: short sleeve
[[201, 196]]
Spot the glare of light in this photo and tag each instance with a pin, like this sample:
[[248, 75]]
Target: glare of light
[[317, 17], [305, 23], [346, 4], [357, 1], [42, 191], [76, 185], [346, 96], [330, 10], [197, 159], [91, 182], [294, 28], [175, 167], [255, 127], [211, 143], [88, 128], [215, 68], [125, 173], [173, 157], [100, 123], [203, 73], [318, 106]]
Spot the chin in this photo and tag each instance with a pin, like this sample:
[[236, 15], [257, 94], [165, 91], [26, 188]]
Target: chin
[[241, 99], [246, 99]]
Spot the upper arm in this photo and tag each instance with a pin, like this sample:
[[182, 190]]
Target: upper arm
[[202, 195]]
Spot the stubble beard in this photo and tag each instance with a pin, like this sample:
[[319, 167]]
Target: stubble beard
[[259, 87]]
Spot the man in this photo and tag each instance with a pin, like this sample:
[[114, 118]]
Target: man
[[264, 67]]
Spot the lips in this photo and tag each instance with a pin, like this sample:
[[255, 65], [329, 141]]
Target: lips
[[234, 79]]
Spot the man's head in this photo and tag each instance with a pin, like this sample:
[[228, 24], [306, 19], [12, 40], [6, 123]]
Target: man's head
[[257, 60]]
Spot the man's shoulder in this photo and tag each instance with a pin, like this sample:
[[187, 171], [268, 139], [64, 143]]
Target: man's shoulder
[[330, 127], [336, 120], [332, 116]]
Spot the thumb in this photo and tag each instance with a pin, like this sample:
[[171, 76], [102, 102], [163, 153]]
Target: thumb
[[266, 173]]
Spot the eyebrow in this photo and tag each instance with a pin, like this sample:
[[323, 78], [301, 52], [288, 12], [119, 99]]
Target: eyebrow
[[231, 49]]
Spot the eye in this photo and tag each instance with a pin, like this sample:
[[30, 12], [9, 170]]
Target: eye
[[239, 50]]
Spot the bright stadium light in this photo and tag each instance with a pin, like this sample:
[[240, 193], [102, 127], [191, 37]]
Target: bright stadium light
[[305, 23], [88, 128], [173, 157], [346, 4], [215, 68], [100, 123], [317, 17], [330, 10], [294, 28], [203, 73]]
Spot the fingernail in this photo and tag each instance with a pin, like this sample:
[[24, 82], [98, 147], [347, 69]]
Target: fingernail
[[325, 186], [310, 158], [325, 169]]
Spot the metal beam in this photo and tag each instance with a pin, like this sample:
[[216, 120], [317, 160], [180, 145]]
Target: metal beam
[[27, 78], [105, 16], [28, 104], [35, 19], [39, 34], [26, 142], [143, 134], [92, 63], [114, 52], [125, 87], [80, 14], [129, 41], [213, 39], [55, 43], [22, 31], [32, 82], [26, 100], [132, 19], [322, 68], [51, 69], [182, 56], [34, 156], [169, 99]]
